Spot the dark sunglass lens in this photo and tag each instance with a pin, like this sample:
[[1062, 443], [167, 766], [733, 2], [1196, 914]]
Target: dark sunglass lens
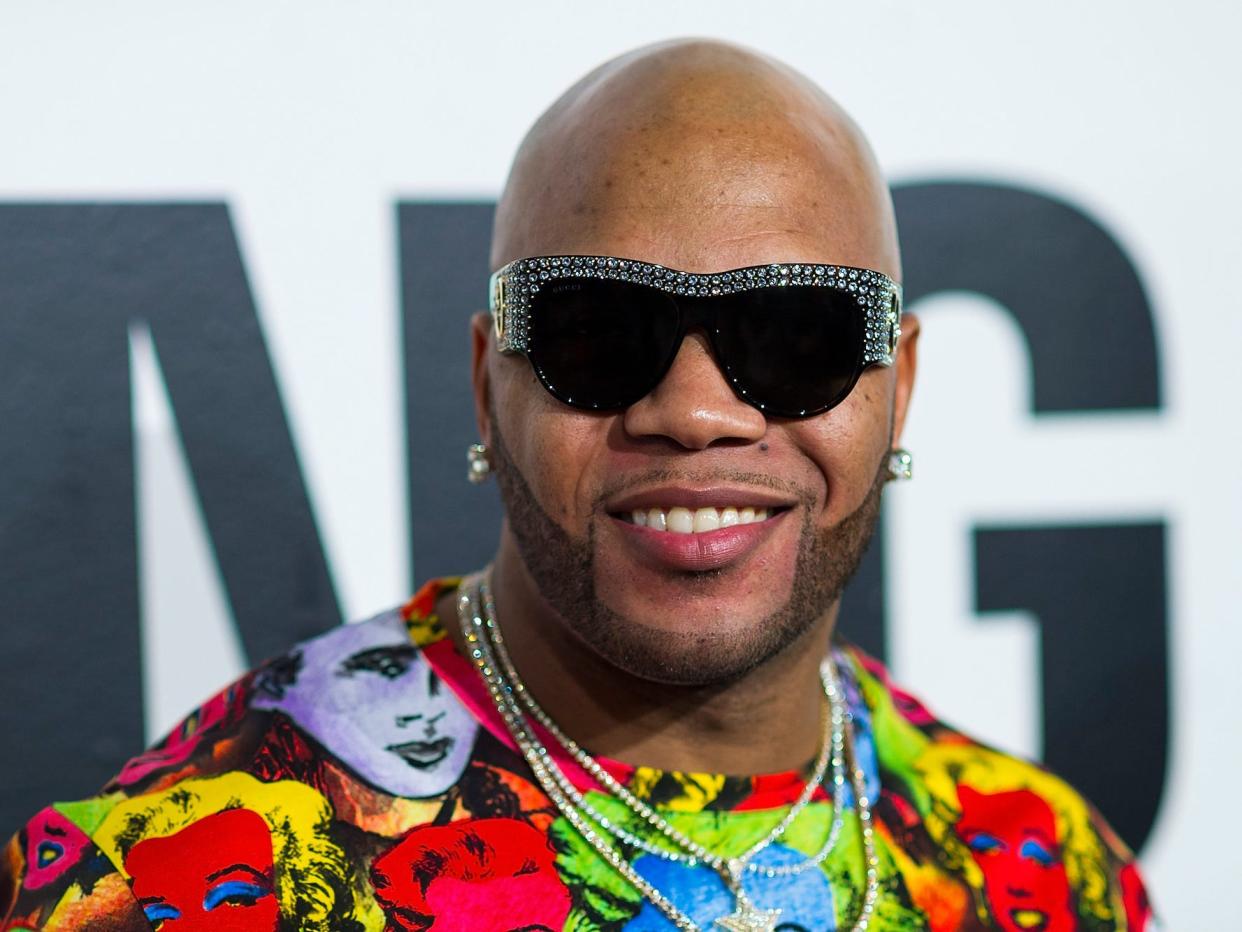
[[791, 350], [601, 344]]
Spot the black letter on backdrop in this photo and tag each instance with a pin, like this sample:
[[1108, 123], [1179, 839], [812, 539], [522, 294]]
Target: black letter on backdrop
[[71, 279], [443, 247], [1069, 286], [1092, 341], [1099, 595]]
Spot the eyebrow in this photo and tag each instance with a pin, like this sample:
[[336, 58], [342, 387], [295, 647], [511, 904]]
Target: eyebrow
[[244, 868], [373, 659]]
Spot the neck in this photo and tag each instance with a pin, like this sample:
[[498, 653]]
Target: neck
[[764, 721]]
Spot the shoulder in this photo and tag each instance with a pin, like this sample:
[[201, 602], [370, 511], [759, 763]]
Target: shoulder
[[995, 822], [276, 777], [363, 702]]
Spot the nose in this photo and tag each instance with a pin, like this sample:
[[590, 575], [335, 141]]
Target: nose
[[693, 405]]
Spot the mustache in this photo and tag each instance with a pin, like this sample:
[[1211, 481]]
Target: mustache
[[659, 475]]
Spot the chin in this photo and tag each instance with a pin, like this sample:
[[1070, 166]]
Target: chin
[[687, 645], [712, 602], [701, 609]]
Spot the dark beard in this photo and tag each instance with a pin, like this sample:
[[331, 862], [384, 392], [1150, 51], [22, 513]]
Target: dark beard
[[564, 572]]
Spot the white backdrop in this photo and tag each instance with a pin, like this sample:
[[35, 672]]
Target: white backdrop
[[312, 119]]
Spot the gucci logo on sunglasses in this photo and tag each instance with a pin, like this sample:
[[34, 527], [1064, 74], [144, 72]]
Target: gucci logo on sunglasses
[[601, 332]]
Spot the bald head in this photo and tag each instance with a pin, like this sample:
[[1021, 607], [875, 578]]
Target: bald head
[[702, 156]]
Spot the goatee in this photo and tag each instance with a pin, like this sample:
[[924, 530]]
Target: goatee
[[563, 569]]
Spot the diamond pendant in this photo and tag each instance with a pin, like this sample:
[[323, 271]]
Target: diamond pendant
[[746, 917], [749, 918]]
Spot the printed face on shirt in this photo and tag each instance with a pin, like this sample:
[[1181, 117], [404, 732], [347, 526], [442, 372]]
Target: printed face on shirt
[[53, 845], [1012, 837], [213, 874], [457, 876], [371, 699]]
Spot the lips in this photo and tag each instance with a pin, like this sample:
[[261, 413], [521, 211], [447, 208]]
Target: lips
[[696, 551], [696, 528], [423, 755], [1032, 919]]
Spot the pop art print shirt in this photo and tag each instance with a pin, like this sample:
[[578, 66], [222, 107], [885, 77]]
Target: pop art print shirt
[[363, 781]]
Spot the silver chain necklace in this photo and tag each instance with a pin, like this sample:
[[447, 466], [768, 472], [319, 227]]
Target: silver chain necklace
[[833, 744], [485, 645]]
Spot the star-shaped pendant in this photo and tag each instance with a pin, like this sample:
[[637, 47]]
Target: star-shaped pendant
[[749, 918]]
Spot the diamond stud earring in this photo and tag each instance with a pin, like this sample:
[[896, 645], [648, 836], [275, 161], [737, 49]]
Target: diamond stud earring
[[900, 464], [478, 467]]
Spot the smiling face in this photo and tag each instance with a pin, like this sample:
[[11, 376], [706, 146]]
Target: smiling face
[[704, 158], [366, 693]]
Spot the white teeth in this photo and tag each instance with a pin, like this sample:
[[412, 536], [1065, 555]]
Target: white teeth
[[681, 520], [706, 519]]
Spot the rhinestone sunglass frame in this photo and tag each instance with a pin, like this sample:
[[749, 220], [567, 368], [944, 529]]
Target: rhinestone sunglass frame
[[513, 287]]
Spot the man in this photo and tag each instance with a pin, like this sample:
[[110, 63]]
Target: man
[[690, 390]]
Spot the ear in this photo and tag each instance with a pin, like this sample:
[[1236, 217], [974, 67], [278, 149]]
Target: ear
[[480, 375], [905, 364]]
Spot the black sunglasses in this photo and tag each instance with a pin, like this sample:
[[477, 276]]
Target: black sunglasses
[[601, 332]]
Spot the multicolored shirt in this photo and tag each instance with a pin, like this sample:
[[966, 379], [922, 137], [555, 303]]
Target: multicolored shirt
[[365, 781]]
